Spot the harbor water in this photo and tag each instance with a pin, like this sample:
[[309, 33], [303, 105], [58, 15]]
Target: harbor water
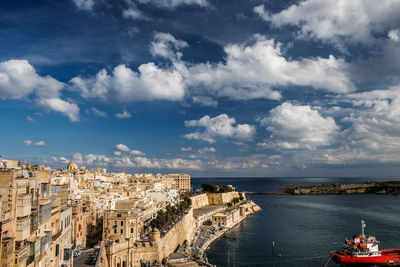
[[305, 228]]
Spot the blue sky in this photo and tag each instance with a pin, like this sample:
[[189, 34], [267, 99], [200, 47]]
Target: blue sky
[[212, 88]]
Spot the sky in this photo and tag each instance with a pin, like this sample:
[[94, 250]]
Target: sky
[[213, 88]]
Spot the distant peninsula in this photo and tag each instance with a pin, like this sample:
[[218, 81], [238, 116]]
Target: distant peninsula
[[392, 187]]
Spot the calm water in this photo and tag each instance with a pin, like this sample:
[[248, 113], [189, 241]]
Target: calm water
[[305, 228]]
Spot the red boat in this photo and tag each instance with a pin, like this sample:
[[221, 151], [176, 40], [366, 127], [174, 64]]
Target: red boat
[[363, 250]]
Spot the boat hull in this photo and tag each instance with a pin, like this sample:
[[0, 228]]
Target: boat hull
[[389, 257]]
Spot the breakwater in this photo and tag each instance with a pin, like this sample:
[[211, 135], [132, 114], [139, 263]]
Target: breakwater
[[392, 187]]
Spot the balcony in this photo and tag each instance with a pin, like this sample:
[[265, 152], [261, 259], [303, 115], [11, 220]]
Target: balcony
[[23, 205], [44, 213], [20, 254], [23, 229], [7, 255], [45, 242]]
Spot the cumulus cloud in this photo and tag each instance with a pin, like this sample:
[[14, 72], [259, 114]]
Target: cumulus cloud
[[125, 148], [165, 45], [250, 71], [171, 4], [394, 35], [132, 12], [205, 101], [29, 118], [132, 161], [186, 149], [71, 110], [219, 126], [136, 152], [122, 147], [295, 126], [31, 143], [95, 111], [77, 158], [123, 115], [19, 80], [333, 19], [84, 4], [125, 85], [207, 150]]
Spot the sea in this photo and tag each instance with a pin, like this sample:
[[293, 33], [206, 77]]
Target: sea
[[304, 229]]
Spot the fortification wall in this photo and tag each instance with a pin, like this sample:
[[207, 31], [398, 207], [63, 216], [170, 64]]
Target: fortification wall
[[182, 231], [199, 201], [221, 198]]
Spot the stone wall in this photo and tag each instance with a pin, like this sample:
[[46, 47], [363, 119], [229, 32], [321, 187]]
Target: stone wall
[[199, 201], [221, 198], [148, 252], [203, 200]]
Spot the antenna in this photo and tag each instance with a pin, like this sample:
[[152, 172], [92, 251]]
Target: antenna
[[273, 253], [362, 228]]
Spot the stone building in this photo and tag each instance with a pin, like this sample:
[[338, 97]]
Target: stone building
[[182, 181]]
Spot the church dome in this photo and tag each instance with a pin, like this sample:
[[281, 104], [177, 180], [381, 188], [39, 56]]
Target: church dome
[[72, 166]]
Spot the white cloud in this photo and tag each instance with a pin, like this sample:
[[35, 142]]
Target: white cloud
[[296, 126], [205, 101], [29, 118], [165, 45], [136, 152], [332, 19], [126, 161], [394, 35], [31, 143], [132, 12], [19, 80], [220, 126], [207, 150], [117, 153], [186, 149], [122, 147], [77, 158], [171, 4], [125, 148], [125, 85], [60, 160], [71, 110], [84, 4], [95, 111], [250, 71], [123, 115]]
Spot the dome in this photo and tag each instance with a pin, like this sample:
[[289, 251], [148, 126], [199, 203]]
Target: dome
[[72, 166]]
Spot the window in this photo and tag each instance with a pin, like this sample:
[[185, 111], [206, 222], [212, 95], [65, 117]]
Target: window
[[115, 231], [122, 223], [122, 231], [57, 249], [118, 215], [132, 230]]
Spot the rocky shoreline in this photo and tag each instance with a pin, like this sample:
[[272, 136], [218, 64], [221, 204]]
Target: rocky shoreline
[[392, 187]]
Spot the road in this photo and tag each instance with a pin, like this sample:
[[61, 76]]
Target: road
[[80, 261]]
